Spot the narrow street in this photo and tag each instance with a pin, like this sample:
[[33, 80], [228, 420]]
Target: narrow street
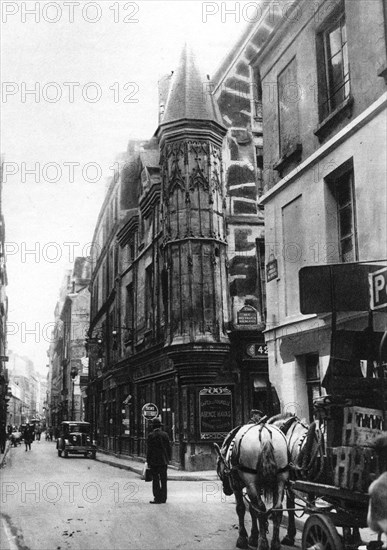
[[49, 502]]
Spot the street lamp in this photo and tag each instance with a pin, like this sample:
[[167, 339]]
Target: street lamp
[[73, 374]]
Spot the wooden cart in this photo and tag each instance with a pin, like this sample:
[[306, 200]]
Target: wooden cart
[[353, 413]]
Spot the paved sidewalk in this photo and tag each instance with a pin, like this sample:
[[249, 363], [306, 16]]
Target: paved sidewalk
[[135, 465], [4, 455]]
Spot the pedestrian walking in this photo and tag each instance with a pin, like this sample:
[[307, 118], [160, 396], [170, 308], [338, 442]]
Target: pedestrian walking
[[38, 433], [28, 436], [158, 457]]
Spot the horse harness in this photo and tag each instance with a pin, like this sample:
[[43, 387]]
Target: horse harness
[[231, 460]]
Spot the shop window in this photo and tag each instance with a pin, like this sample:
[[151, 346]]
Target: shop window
[[334, 77], [313, 382]]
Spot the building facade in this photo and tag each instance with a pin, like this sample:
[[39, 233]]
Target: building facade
[[177, 308], [3, 320], [25, 388], [323, 78], [67, 352]]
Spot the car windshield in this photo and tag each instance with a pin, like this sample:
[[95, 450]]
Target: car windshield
[[83, 428]]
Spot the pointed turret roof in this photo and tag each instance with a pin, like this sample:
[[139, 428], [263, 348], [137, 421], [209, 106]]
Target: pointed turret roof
[[190, 93]]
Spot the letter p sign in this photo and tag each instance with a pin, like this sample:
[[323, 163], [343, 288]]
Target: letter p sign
[[378, 288]]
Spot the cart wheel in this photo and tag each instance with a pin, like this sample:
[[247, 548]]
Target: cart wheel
[[319, 533]]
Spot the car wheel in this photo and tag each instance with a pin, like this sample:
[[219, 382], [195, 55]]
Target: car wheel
[[59, 452], [66, 454]]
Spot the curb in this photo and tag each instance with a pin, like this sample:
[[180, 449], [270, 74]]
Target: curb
[[3, 456], [171, 475]]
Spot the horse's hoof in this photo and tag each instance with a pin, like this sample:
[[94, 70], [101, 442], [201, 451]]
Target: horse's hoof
[[242, 543], [287, 541]]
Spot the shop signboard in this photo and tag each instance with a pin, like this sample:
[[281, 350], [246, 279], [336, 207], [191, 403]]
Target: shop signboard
[[215, 410]]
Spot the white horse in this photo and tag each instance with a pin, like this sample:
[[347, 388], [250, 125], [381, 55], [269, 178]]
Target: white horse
[[255, 457], [305, 446]]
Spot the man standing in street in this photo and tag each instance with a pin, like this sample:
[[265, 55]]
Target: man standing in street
[[158, 457]]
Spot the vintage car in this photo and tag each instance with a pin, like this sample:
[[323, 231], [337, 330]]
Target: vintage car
[[76, 438]]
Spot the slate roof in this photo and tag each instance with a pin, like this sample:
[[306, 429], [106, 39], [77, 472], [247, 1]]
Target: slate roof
[[189, 93]]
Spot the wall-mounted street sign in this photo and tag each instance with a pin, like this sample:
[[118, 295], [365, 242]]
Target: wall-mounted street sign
[[150, 411], [271, 270], [378, 288], [215, 412], [247, 316]]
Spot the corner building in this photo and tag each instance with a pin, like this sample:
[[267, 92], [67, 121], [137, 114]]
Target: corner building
[[161, 330]]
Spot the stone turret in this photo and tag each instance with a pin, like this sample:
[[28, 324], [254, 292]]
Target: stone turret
[[193, 201]]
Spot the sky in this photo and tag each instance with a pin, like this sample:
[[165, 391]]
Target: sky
[[79, 79]]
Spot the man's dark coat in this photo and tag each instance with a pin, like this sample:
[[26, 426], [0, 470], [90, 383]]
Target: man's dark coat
[[158, 449]]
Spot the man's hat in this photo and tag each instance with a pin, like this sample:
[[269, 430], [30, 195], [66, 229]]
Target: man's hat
[[255, 411], [156, 423]]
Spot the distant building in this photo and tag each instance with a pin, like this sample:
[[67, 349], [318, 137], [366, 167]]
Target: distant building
[[23, 378], [67, 345], [3, 316], [177, 301]]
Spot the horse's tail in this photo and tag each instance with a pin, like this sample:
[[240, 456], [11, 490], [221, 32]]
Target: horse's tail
[[267, 469]]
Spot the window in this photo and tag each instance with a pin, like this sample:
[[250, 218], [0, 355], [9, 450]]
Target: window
[[312, 368], [344, 196], [293, 225], [288, 99], [148, 296], [129, 306], [257, 96], [336, 66]]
